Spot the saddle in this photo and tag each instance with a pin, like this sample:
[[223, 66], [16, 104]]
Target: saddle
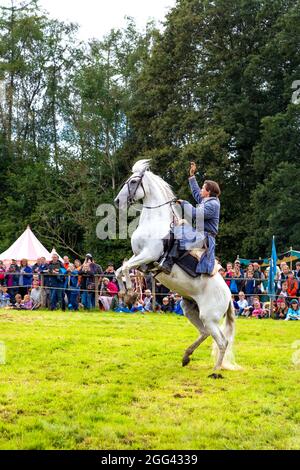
[[189, 260]]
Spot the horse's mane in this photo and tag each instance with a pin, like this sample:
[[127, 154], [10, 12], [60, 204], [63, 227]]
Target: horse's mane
[[162, 186]]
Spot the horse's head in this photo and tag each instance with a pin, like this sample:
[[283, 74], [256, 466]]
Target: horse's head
[[134, 188]]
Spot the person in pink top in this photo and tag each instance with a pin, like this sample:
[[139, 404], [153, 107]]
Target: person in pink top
[[257, 311]]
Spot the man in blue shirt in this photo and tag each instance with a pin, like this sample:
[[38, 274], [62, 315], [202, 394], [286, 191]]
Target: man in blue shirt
[[206, 218]]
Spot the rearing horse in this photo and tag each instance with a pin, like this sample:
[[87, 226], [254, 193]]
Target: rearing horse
[[205, 299]]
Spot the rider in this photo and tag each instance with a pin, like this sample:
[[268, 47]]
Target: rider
[[209, 212]]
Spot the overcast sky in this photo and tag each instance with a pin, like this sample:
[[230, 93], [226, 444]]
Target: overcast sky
[[98, 17]]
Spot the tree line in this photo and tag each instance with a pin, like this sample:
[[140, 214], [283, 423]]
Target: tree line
[[214, 86]]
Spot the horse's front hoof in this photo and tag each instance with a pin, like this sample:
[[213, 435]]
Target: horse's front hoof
[[185, 361], [215, 376]]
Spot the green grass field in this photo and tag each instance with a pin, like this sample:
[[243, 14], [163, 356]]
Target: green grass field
[[115, 381]]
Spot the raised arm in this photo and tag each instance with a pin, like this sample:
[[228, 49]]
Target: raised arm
[[196, 192]]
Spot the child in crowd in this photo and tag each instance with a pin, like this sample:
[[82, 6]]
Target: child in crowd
[[177, 306], [257, 311], [166, 306], [4, 297], [293, 311], [242, 303], [284, 289], [281, 309], [26, 304], [36, 295]]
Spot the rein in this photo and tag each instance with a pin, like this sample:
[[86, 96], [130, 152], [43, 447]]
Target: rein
[[161, 205]]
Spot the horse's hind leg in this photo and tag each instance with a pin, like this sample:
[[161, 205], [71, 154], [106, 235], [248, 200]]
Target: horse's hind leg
[[222, 343], [191, 311]]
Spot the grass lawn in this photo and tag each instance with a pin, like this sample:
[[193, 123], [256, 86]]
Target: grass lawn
[[115, 381]]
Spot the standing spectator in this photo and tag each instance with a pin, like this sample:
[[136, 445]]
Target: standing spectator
[[258, 277], [74, 289], [84, 291], [94, 269], [229, 274], [56, 269], [36, 266], [297, 276], [293, 311], [110, 273], [292, 285], [238, 276], [2, 274], [284, 290], [249, 287], [283, 275], [12, 279], [25, 278]]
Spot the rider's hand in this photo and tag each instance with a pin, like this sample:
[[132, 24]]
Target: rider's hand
[[179, 201], [193, 168]]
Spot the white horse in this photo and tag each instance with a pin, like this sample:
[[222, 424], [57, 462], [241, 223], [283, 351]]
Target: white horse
[[205, 299]]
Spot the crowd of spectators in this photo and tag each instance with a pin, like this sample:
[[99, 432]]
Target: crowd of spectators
[[85, 285], [249, 289], [79, 285]]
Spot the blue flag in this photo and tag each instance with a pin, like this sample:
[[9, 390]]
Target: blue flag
[[272, 271]]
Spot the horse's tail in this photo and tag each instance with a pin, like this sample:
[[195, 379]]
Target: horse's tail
[[228, 330]]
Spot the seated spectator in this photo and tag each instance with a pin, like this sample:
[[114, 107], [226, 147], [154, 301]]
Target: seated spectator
[[118, 303], [147, 301], [109, 287], [108, 290], [166, 306], [26, 304], [4, 297], [36, 295], [257, 311], [281, 309], [292, 285], [177, 306], [17, 304], [137, 307], [2, 274], [242, 303], [235, 305], [293, 312]]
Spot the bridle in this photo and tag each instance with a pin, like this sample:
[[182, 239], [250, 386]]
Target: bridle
[[140, 183]]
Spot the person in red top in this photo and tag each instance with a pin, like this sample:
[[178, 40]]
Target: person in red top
[[110, 287], [292, 285], [229, 273]]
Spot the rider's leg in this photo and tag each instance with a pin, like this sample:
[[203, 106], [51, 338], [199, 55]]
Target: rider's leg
[[167, 261]]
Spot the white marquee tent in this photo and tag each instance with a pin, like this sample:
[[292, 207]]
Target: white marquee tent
[[26, 246]]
